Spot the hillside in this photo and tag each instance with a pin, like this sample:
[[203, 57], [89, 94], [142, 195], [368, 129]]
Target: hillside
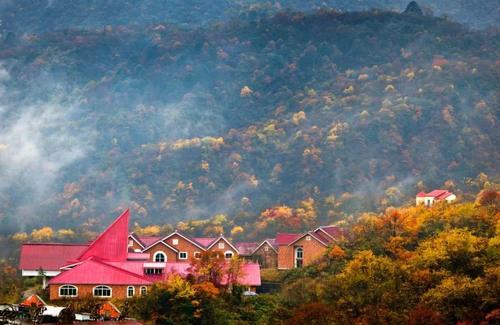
[[346, 112], [34, 17]]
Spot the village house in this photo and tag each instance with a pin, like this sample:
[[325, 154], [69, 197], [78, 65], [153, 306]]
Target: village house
[[298, 250], [428, 199], [120, 265], [265, 253]]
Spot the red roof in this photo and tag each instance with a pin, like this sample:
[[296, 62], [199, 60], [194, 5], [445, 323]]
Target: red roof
[[148, 240], [50, 256], [334, 231], [285, 239], [322, 236], [33, 300], [421, 194], [204, 241], [93, 271], [250, 275], [112, 244], [439, 194], [138, 256]]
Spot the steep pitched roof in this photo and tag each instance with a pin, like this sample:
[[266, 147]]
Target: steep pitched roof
[[421, 194], [48, 256], [95, 271], [313, 235], [112, 243], [285, 238], [34, 299], [334, 231], [270, 242]]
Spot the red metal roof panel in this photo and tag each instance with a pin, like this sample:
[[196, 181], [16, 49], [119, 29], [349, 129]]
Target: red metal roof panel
[[48, 256]]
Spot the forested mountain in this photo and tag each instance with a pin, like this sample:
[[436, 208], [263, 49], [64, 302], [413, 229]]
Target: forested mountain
[[20, 17], [332, 113]]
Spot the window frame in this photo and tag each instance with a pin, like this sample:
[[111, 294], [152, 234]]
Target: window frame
[[175, 241], [68, 296], [133, 291], [143, 291], [197, 255], [102, 286], [165, 258], [299, 261], [228, 252], [221, 245], [183, 258]]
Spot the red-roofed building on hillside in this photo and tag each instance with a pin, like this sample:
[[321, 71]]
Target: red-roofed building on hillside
[[428, 199], [122, 265], [298, 250]]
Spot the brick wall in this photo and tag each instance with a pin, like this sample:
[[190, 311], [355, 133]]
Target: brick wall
[[267, 259], [160, 247], [85, 290], [227, 247], [312, 251], [285, 257]]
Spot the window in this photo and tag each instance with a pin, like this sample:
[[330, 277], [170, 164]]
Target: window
[[175, 241], [102, 292], [153, 271], [130, 243], [183, 255], [197, 255], [221, 245], [308, 237], [266, 248], [144, 290], [160, 257], [228, 255], [68, 291], [299, 257], [130, 292]]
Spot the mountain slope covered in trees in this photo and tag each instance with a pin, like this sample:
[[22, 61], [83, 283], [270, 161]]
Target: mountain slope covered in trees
[[335, 113]]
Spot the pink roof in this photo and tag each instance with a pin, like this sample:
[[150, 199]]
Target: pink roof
[[285, 239], [322, 236], [112, 244], [246, 248], [204, 241], [148, 240], [439, 194], [138, 256], [334, 231], [421, 194], [93, 271], [250, 275], [50, 256]]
